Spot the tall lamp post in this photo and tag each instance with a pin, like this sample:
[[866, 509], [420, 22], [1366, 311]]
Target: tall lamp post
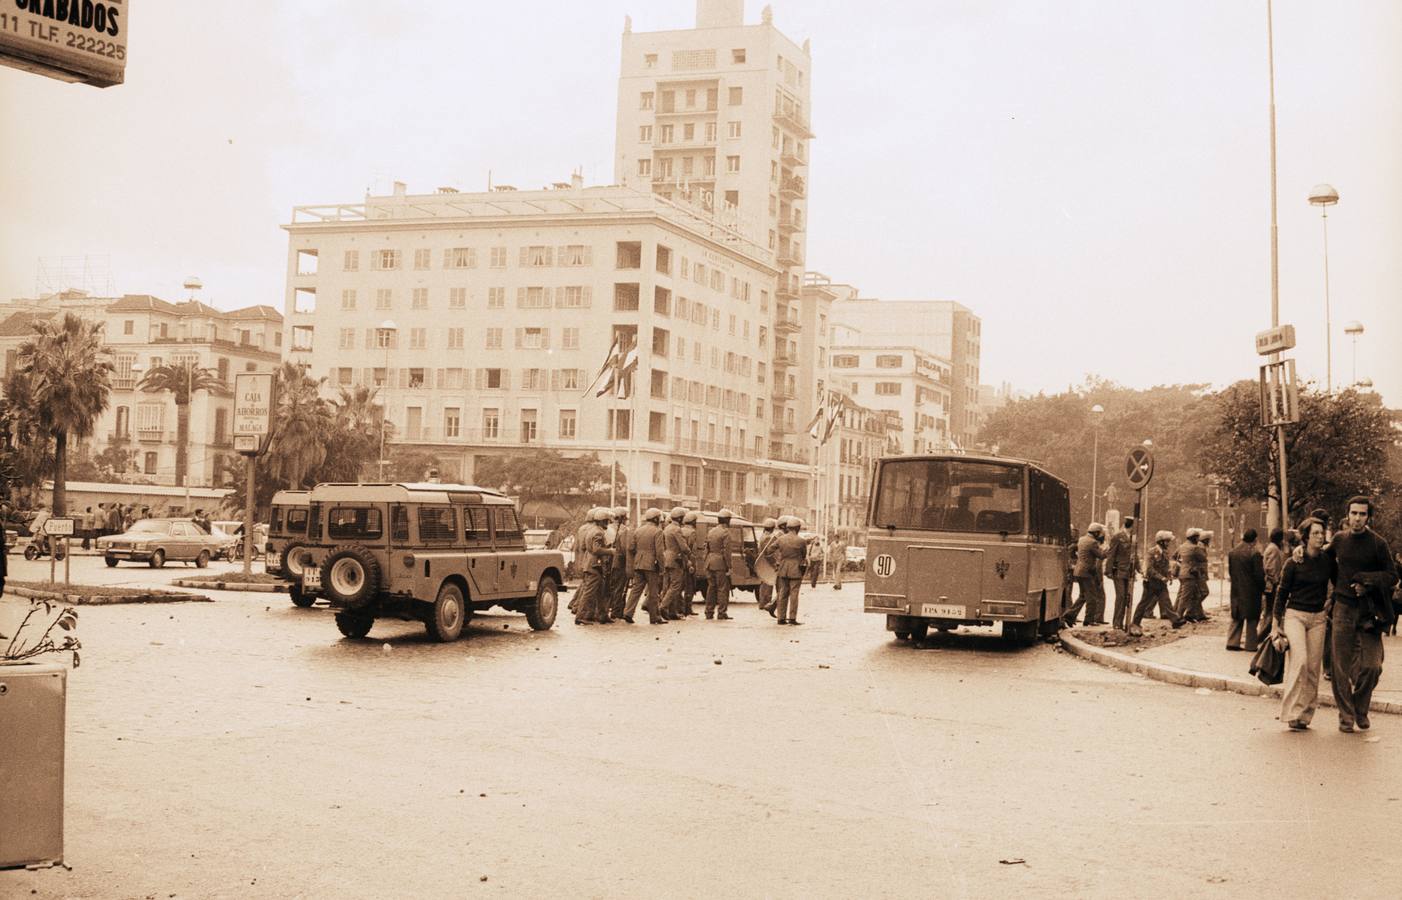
[[1324, 196], [1096, 412], [1353, 330], [385, 334]]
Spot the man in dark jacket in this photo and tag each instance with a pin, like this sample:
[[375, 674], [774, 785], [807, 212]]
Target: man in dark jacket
[[1120, 565], [1362, 612], [1090, 581], [645, 545], [676, 559], [718, 567], [1247, 571], [621, 572]]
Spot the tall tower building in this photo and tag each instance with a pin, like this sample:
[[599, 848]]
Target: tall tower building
[[716, 117]]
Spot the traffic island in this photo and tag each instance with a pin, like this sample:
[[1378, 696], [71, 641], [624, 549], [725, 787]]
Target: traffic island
[[258, 582], [1074, 641], [97, 595]]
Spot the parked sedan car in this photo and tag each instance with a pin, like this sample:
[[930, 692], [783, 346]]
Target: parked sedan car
[[154, 541]]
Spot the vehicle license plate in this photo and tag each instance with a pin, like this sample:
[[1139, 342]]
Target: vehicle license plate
[[941, 611], [311, 577]]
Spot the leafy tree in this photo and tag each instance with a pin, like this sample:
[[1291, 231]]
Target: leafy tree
[[303, 428], [1340, 447], [69, 382], [573, 483], [29, 458], [183, 379], [409, 464], [354, 444]]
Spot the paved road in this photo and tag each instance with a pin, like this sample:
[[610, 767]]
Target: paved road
[[243, 749]]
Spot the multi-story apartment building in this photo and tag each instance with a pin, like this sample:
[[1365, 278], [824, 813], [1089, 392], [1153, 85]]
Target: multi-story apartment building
[[143, 332], [943, 329], [860, 437], [717, 117], [482, 320], [913, 386]]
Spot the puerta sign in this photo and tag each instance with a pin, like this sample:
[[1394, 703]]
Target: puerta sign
[[71, 40], [1139, 467], [253, 410]]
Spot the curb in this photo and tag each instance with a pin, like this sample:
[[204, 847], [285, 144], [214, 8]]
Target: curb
[[232, 586], [1251, 687], [107, 599]]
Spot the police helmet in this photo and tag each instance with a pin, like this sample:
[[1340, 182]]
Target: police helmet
[[1162, 536], [725, 515], [652, 514], [690, 517], [602, 514], [1095, 528], [620, 512], [769, 524], [679, 512]]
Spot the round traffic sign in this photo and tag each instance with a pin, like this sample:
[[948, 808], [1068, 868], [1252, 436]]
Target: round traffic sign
[[1139, 467]]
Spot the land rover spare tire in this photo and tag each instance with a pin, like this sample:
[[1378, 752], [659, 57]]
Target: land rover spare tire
[[291, 561], [350, 576]]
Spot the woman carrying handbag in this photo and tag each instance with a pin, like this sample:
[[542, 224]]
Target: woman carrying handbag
[[1299, 625]]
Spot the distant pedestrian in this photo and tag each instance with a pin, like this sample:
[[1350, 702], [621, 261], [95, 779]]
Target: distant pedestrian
[[1120, 565], [1299, 625], [816, 552], [837, 554], [1272, 562], [718, 567], [1156, 575], [1090, 582], [1364, 576], [788, 554], [1248, 586]]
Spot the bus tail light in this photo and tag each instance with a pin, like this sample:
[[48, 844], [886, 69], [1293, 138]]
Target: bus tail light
[[1003, 608]]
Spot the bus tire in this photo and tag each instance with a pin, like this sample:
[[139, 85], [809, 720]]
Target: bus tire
[[902, 635], [918, 630], [1024, 634]]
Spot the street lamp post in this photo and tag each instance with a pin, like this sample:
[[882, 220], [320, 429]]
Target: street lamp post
[[1096, 412], [385, 334], [1324, 196], [1353, 330]]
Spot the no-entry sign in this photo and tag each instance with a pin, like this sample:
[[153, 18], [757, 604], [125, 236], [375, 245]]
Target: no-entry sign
[[1139, 467]]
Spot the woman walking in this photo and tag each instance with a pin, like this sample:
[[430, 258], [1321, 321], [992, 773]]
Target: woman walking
[[1299, 625]]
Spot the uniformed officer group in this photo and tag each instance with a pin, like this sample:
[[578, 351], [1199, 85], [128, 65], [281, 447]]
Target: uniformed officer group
[[667, 560]]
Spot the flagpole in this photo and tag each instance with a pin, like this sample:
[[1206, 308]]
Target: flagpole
[[613, 439], [632, 444]]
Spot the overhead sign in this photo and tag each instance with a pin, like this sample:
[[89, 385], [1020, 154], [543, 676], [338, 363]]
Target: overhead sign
[[1280, 399], [71, 40], [1139, 467], [253, 410], [58, 527], [1274, 340]]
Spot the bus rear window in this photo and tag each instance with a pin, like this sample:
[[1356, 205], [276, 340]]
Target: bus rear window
[[950, 495], [354, 523]]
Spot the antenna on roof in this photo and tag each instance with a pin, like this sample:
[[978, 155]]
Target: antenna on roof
[[192, 284]]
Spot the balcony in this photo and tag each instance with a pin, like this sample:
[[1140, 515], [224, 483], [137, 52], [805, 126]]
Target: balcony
[[712, 449], [150, 435], [790, 224], [793, 187], [782, 359], [790, 116], [787, 288], [781, 392], [788, 257], [785, 454], [785, 322], [707, 110], [659, 145], [793, 155]]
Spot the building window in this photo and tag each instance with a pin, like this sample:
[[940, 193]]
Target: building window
[[348, 298], [625, 297], [844, 361], [645, 134], [737, 96], [619, 424], [737, 56], [688, 134], [570, 379], [888, 361], [569, 339], [422, 258], [496, 298], [418, 338], [149, 463], [457, 298], [575, 255], [346, 342], [301, 337], [491, 423], [733, 129], [498, 258], [345, 376], [567, 424], [452, 422], [732, 164], [664, 134], [533, 298], [888, 388], [420, 298], [351, 261], [531, 338], [384, 338], [528, 426], [386, 259], [711, 139], [493, 338], [645, 100], [533, 380], [650, 60], [572, 296], [495, 381], [455, 338], [384, 298], [460, 258], [644, 167], [537, 256]]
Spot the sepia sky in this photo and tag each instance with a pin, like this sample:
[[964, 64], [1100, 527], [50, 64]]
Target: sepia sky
[[1089, 176]]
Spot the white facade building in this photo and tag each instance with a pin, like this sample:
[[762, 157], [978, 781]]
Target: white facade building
[[483, 318], [912, 386]]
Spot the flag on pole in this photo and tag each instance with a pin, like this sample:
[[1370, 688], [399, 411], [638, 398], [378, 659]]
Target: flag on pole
[[616, 376], [610, 364], [815, 425], [834, 410]]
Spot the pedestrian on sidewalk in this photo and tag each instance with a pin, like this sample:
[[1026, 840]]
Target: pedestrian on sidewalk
[[1248, 585], [1156, 586], [1120, 565], [1090, 583], [1364, 575], [816, 550], [837, 552], [1299, 625], [1272, 562]]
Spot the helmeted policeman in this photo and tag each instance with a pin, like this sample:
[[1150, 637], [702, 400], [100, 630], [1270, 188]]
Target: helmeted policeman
[[1089, 580], [589, 554], [1156, 575], [689, 576], [699, 575], [676, 559], [788, 552], [1190, 561], [647, 568], [622, 570], [718, 566]]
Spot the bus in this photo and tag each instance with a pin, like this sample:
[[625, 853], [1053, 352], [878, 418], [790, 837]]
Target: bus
[[967, 539]]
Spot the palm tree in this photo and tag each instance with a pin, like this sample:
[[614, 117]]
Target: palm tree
[[69, 376], [357, 409], [183, 379], [304, 424]]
